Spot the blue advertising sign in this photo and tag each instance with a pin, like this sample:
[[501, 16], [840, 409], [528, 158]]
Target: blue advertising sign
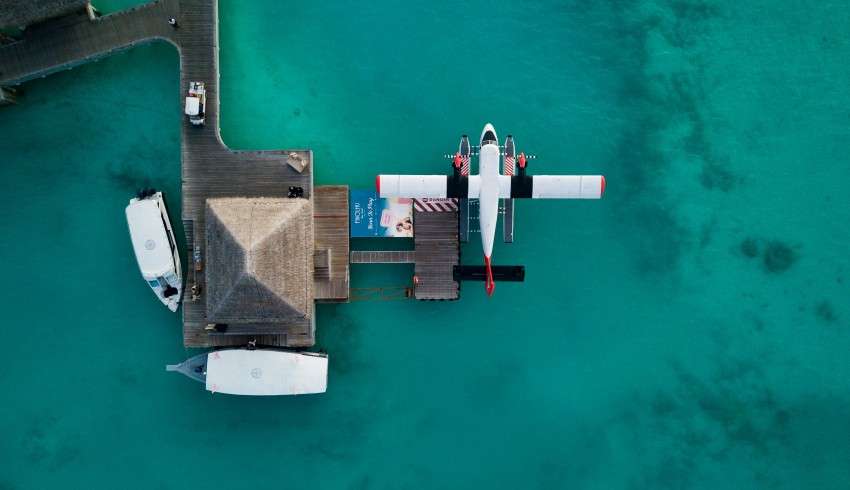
[[373, 216]]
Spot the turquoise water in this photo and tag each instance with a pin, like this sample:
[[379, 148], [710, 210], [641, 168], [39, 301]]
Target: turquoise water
[[691, 330]]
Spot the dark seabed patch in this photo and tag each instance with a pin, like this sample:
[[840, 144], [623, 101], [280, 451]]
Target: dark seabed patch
[[825, 312], [717, 176], [707, 421], [670, 114], [44, 444], [778, 257], [128, 176], [750, 248]]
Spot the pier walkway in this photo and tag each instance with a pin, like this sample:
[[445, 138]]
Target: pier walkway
[[209, 168], [65, 42], [383, 257]]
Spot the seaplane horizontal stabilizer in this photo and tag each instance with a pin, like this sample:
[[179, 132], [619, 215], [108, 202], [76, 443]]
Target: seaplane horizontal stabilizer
[[501, 273]]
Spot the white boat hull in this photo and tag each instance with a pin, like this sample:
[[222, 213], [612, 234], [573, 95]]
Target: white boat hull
[[258, 372], [155, 248]]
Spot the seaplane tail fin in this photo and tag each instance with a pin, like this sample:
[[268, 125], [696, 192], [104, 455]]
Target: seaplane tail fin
[[489, 283]]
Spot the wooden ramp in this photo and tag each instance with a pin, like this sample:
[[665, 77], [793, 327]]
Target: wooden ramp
[[437, 252]]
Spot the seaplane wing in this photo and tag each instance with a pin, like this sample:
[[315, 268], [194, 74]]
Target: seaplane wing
[[551, 187], [510, 187], [430, 186]]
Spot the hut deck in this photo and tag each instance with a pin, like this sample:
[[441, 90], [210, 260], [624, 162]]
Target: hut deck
[[330, 227], [209, 168], [437, 252]]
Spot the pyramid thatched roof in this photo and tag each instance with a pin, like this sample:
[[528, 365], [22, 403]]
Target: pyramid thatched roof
[[259, 260]]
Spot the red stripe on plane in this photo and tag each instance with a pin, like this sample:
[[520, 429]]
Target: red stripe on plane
[[489, 284]]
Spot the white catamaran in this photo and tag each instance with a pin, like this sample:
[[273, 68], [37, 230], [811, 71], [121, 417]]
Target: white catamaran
[[156, 250], [259, 372]]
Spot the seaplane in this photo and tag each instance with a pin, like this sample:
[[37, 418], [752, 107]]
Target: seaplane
[[490, 186]]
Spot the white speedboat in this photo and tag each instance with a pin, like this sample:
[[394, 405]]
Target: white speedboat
[[258, 371], [156, 250]]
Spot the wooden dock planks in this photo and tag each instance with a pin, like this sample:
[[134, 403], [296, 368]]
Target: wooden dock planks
[[330, 227], [437, 252]]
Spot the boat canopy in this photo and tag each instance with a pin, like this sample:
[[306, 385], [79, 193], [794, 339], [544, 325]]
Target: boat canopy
[[150, 242], [266, 372], [193, 106]]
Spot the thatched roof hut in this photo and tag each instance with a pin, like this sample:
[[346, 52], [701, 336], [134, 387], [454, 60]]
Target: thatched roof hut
[[21, 13], [259, 265]]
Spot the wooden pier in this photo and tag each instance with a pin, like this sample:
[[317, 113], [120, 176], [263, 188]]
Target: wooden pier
[[437, 245], [209, 168], [65, 42]]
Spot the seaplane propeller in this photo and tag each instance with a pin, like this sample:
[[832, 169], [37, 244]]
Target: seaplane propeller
[[490, 186]]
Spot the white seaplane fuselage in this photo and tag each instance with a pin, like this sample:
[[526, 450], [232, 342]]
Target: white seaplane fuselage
[[489, 192]]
